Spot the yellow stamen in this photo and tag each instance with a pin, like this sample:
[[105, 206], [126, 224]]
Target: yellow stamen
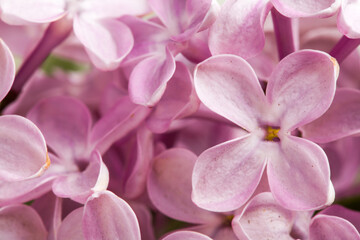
[[271, 133], [48, 162]]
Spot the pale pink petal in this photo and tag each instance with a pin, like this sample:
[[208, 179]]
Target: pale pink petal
[[7, 69], [71, 227], [144, 216], [307, 8], [263, 218], [239, 28], [27, 11], [107, 216], [349, 18], [80, 185], [148, 79], [301, 88], [188, 235], [107, 41], [65, 123], [299, 174], [23, 152], [225, 176], [169, 187], [26, 190], [21, 222], [183, 18], [177, 101], [124, 117], [332, 227], [347, 214], [113, 8], [138, 170], [228, 86], [341, 120]]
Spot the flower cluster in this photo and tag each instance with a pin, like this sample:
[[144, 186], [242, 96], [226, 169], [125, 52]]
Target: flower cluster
[[179, 119]]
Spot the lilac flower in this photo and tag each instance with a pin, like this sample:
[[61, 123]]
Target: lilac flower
[[226, 175]]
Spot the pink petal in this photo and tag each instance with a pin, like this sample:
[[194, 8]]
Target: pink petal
[[124, 117], [307, 8], [263, 218], [183, 18], [27, 11], [228, 86], [301, 88], [114, 8], [299, 174], [169, 187], [7, 69], [26, 190], [106, 41], [65, 123], [148, 79], [342, 212], [22, 149], [107, 216], [71, 227], [21, 222], [239, 28], [139, 167], [178, 100], [332, 227], [341, 120], [225, 176], [188, 235], [145, 218], [348, 18], [79, 186]]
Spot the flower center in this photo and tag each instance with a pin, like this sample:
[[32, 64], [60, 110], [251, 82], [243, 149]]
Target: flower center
[[272, 134]]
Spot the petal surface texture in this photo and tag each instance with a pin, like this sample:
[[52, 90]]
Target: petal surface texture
[[7, 69], [349, 18], [107, 216], [228, 86], [23, 152], [301, 88], [307, 8], [299, 174], [342, 119], [225, 176], [239, 28], [263, 218], [21, 222]]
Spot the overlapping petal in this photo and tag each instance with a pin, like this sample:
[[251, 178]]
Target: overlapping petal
[[228, 86], [263, 218], [169, 187], [307, 8], [332, 227], [107, 216], [107, 41], [225, 176], [65, 123], [178, 99], [188, 235], [21, 222], [71, 227], [148, 79], [239, 28], [299, 174], [23, 152], [80, 185], [183, 18], [342, 119], [27, 11], [7, 69], [301, 88], [348, 18]]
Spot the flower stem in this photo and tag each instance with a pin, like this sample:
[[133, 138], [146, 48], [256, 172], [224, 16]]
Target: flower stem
[[343, 48], [283, 33]]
